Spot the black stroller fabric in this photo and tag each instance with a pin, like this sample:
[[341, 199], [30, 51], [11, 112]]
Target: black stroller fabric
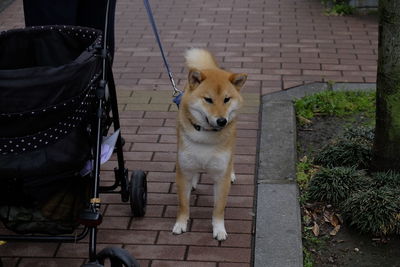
[[48, 77]]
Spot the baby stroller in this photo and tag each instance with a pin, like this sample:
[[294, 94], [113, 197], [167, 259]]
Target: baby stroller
[[57, 103]]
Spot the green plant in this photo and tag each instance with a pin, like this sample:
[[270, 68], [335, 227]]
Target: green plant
[[334, 185], [335, 103], [307, 258], [361, 134], [375, 210], [304, 169], [389, 178], [345, 152], [311, 243], [338, 7]]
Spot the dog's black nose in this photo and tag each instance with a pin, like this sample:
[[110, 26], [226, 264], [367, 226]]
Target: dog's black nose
[[221, 122]]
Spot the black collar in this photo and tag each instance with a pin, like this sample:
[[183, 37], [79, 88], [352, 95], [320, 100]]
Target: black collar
[[199, 128]]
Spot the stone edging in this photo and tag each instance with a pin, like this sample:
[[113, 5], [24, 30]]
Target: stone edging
[[4, 4]]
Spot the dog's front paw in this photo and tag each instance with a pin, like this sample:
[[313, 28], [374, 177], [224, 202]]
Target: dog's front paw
[[219, 231], [233, 177], [179, 228]]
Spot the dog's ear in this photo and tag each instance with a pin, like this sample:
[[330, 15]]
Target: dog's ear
[[195, 78], [238, 80]]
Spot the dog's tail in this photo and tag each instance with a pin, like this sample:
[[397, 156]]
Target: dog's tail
[[200, 59]]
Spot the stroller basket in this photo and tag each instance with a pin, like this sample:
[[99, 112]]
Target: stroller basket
[[48, 81]]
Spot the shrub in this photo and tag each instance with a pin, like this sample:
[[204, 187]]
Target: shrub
[[375, 210], [361, 134], [347, 153], [334, 185], [390, 178]]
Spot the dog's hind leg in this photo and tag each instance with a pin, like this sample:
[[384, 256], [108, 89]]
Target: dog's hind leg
[[184, 187], [221, 190], [195, 181]]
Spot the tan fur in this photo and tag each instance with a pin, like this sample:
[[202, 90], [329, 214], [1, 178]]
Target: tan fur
[[211, 95]]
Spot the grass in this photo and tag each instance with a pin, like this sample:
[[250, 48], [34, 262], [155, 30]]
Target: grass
[[335, 103], [311, 244], [338, 8], [304, 171]]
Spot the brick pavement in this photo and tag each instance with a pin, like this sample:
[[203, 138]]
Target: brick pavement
[[280, 43]]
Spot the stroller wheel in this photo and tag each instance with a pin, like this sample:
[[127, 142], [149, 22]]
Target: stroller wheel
[[138, 191], [117, 257]]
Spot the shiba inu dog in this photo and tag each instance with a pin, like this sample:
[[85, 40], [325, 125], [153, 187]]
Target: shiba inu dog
[[206, 130]]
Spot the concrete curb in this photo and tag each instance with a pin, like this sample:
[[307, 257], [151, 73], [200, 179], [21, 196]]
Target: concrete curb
[[4, 4], [278, 240]]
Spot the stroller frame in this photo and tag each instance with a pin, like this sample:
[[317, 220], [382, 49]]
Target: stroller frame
[[134, 190]]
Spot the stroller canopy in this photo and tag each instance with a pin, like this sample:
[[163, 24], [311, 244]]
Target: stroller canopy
[[44, 72]]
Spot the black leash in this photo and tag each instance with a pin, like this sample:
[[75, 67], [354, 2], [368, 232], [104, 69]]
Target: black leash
[[177, 93]]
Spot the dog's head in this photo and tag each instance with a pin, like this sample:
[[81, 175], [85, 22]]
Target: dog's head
[[213, 96]]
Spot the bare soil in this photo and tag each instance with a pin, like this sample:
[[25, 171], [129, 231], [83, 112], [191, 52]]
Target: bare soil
[[348, 248]]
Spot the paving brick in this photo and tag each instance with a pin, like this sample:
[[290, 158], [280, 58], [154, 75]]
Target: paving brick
[[147, 107], [206, 213], [141, 138], [115, 222], [188, 238], [158, 187], [141, 122], [238, 241], [171, 139], [12, 249], [164, 199], [157, 252], [48, 262], [79, 250], [157, 130], [154, 147], [231, 264], [240, 179], [219, 254], [11, 262], [165, 263], [150, 166], [165, 156], [145, 156], [126, 236], [233, 201], [148, 223], [132, 114], [232, 226]]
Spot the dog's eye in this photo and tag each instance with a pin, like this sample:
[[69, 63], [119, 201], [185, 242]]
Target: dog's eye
[[208, 100], [226, 100]]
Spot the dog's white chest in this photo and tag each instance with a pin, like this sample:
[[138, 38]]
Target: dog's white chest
[[194, 157]]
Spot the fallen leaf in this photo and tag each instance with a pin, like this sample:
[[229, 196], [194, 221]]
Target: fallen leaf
[[335, 220], [303, 120], [335, 230], [315, 229], [327, 216], [332, 218]]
